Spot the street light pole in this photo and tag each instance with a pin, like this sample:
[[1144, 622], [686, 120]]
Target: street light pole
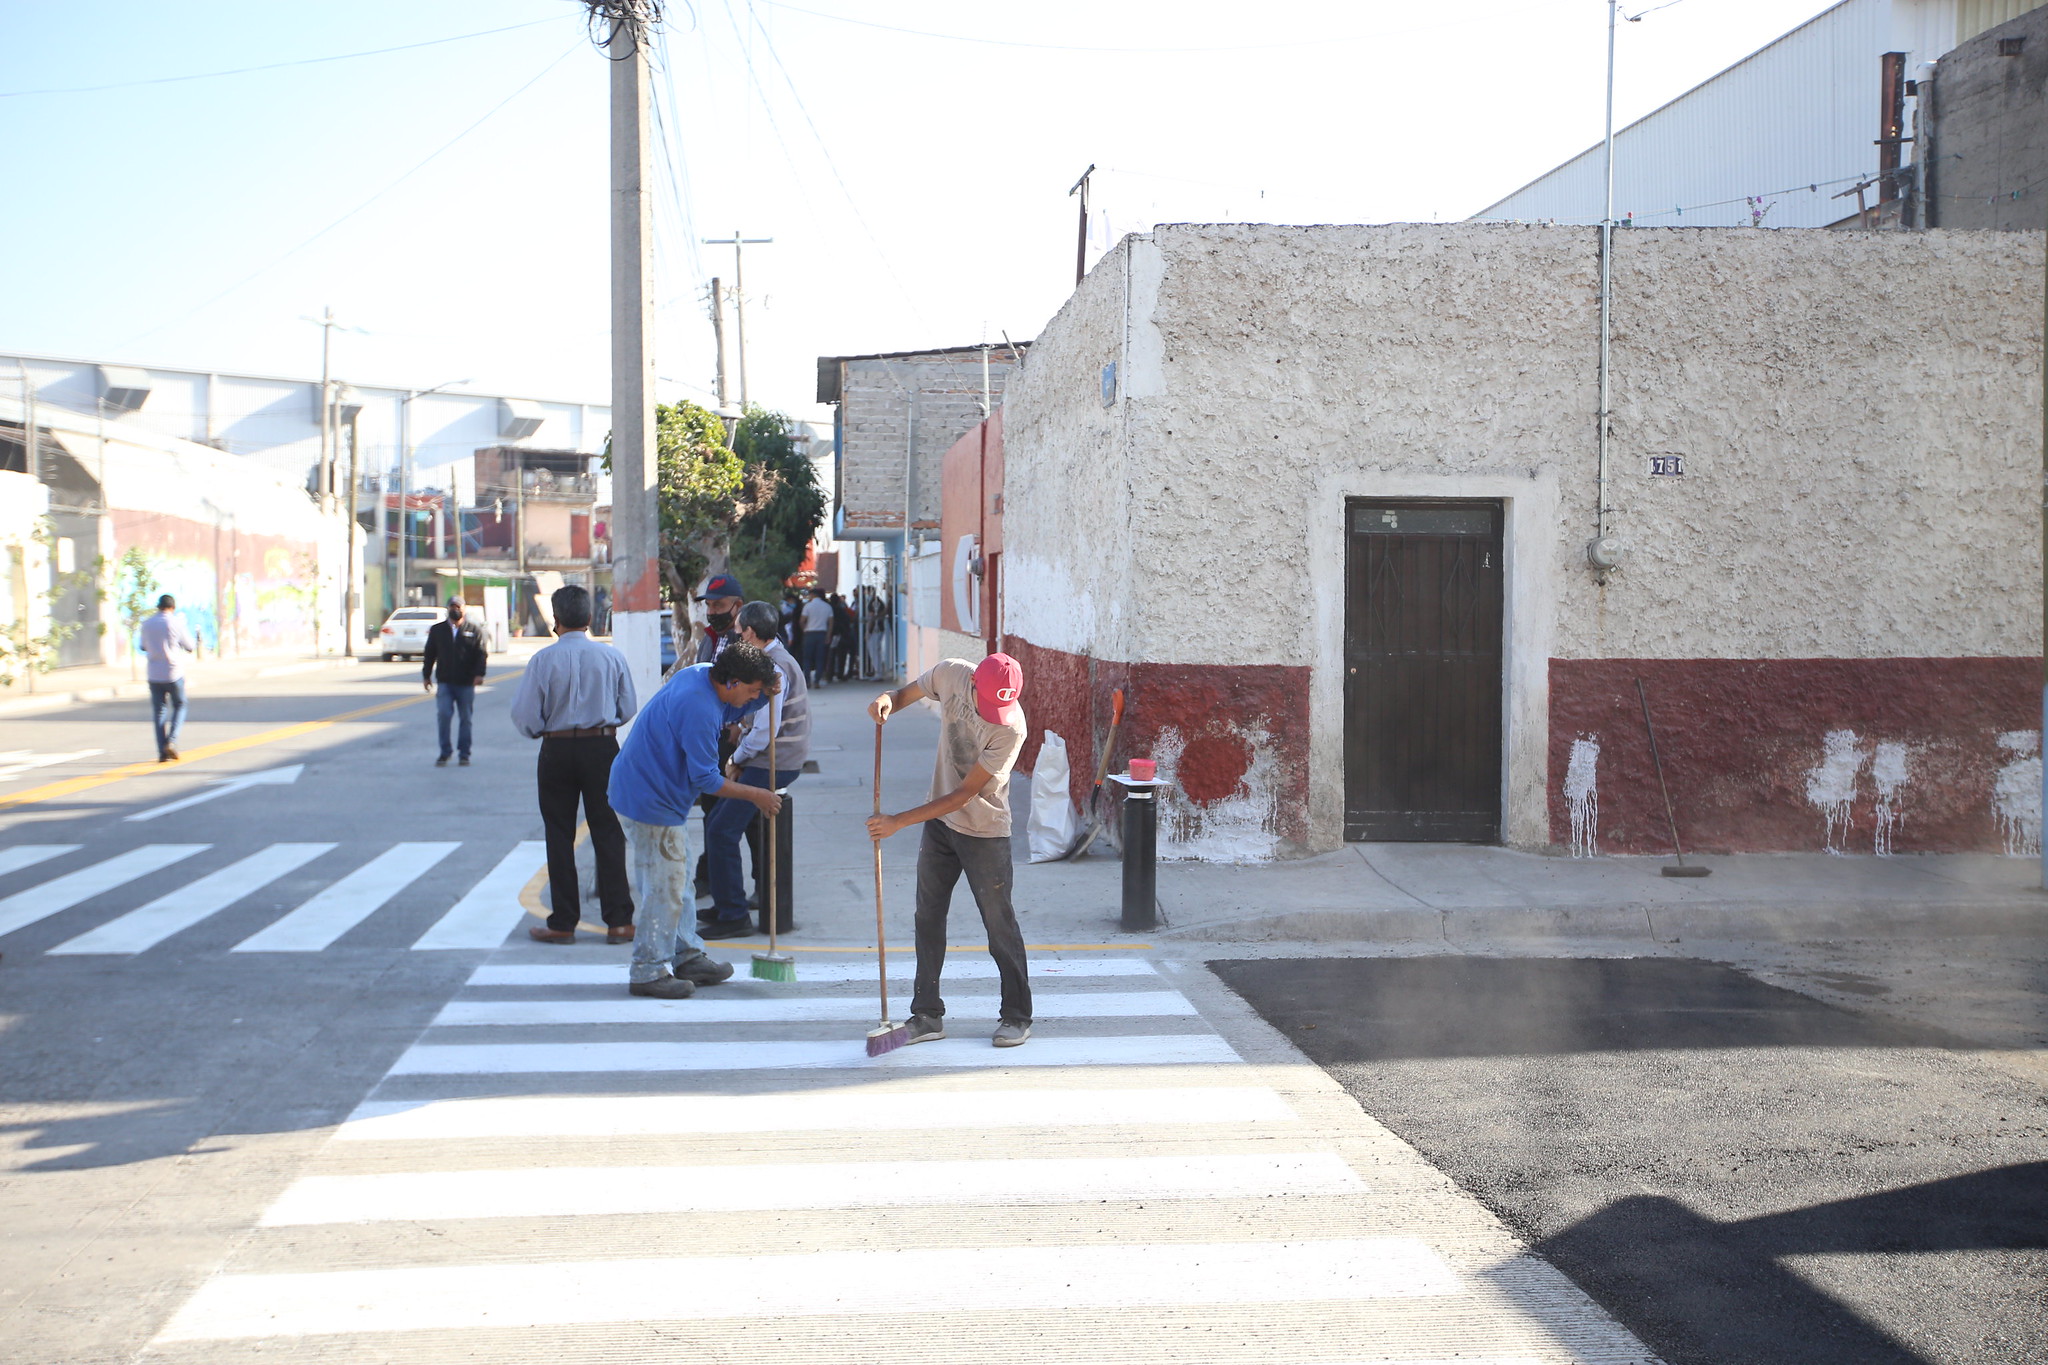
[[405, 447]]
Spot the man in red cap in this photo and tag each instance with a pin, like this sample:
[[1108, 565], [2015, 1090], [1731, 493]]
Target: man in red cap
[[966, 829]]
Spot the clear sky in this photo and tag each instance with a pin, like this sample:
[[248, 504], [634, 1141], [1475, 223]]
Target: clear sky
[[915, 185]]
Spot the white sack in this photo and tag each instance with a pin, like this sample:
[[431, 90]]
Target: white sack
[[1054, 823]]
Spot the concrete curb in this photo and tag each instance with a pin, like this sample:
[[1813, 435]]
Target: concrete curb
[[1647, 923], [49, 701]]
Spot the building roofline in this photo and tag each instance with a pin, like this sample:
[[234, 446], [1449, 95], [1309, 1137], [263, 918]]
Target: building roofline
[[1675, 99], [931, 350]]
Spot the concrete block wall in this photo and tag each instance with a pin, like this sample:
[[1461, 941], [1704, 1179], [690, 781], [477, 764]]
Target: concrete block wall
[[908, 408], [1983, 146]]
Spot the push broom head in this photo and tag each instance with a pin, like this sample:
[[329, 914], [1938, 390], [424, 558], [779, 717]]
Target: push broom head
[[774, 967], [1686, 870], [887, 1038]]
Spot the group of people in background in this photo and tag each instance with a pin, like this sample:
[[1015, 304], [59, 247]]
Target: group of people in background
[[826, 632]]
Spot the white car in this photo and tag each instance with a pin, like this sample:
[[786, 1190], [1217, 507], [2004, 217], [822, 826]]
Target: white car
[[405, 632]]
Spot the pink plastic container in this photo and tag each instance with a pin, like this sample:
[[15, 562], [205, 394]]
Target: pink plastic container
[[1144, 770]]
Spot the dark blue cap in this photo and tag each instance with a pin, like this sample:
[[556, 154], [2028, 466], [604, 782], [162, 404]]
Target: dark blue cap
[[725, 585]]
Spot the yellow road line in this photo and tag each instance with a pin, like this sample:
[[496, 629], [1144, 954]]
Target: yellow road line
[[71, 785]]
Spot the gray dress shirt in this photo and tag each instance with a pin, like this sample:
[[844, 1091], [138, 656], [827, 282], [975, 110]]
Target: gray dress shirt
[[574, 684]]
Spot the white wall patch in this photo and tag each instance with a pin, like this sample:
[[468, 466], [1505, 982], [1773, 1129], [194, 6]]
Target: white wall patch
[[1888, 770], [1243, 827], [2016, 794], [1831, 785], [1582, 795]]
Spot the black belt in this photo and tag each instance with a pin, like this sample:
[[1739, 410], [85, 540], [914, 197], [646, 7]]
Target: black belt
[[589, 732]]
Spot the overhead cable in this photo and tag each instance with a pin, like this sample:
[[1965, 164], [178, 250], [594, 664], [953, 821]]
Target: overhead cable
[[269, 66]]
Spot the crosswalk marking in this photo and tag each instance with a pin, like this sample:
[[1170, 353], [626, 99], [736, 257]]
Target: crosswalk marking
[[179, 910], [959, 967], [946, 1280], [28, 855], [506, 1059], [571, 1191], [798, 1009], [488, 913], [608, 1116], [348, 902], [39, 902]]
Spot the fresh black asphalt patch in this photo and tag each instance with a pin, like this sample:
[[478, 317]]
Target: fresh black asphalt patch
[[1740, 1174]]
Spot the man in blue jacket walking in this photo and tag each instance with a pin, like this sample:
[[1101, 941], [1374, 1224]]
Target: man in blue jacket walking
[[670, 758]]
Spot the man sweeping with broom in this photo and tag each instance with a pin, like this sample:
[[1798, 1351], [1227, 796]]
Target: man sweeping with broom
[[966, 829]]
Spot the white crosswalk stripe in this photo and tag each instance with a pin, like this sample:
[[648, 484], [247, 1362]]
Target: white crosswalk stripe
[[812, 1009], [179, 910], [547, 1177], [482, 918], [40, 902], [348, 902], [28, 855]]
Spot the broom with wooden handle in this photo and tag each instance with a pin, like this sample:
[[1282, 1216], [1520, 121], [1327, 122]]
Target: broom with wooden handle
[[773, 965], [888, 1036]]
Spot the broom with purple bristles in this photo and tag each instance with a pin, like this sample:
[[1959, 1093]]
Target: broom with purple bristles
[[889, 1036]]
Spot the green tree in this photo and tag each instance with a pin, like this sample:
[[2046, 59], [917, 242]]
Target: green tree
[[785, 505], [138, 589]]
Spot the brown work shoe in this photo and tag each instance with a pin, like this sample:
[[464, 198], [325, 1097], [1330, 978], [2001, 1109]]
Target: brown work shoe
[[663, 988], [618, 933], [540, 933]]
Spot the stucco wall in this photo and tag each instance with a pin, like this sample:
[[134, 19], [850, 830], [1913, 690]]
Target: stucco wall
[[1857, 415]]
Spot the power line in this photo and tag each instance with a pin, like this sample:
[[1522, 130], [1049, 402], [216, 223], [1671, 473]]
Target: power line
[[1134, 51], [270, 66], [421, 165]]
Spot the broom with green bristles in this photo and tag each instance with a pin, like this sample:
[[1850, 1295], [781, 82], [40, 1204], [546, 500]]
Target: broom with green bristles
[[771, 965], [889, 1036]]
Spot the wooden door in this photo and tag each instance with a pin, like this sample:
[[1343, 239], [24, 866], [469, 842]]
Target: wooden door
[[1422, 680]]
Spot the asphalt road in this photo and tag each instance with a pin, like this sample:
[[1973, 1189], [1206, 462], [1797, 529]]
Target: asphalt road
[[1740, 1174], [153, 1102]]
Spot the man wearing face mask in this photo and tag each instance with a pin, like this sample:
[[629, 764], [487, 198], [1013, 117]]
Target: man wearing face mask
[[721, 597]]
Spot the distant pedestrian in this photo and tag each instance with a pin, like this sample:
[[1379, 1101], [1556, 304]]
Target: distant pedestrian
[[721, 597], [817, 619], [166, 642], [670, 758], [966, 829], [788, 718], [456, 660], [573, 698], [845, 640]]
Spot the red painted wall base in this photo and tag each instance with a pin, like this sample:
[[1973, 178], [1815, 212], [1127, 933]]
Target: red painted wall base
[[1746, 750]]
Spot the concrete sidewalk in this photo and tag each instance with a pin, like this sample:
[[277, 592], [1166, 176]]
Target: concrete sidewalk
[[69, 686], [1368, 893]]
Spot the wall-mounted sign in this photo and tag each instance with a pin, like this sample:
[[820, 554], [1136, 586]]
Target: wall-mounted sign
[[1109, 385], [1667, 466]]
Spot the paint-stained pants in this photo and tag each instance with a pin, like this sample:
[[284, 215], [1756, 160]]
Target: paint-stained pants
[[941, 858], [167, 712], [658, 862]]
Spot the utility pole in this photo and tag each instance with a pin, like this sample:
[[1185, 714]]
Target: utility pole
[[405, 445], [348, 585], [326, 321], [636, 562], [718, 333], [1081, 239], [739, 297]]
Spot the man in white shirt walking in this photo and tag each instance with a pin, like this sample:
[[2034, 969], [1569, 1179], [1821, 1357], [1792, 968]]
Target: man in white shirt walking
[[164, 640], [818, 624]]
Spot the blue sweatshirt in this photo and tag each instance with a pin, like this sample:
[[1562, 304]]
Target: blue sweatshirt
[[670, 757]]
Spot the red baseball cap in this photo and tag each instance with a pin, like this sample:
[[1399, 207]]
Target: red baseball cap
[[997, 680]]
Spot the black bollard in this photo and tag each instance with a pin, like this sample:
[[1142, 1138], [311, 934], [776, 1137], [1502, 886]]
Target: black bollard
[[1141, 855]]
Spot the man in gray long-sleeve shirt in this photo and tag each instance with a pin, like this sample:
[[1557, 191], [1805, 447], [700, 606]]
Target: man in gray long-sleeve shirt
[[574, 696], [788, 717]]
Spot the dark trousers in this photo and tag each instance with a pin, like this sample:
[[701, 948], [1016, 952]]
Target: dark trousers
[[724, 826], [814, 657], [167, 712], [941, 858], [785, 862], [573, 770]]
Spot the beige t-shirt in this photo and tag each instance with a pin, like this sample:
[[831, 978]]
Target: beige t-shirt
[[965, 741]]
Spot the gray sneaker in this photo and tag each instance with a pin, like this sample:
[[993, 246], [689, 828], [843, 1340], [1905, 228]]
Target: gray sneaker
[[663, 988], [703, 970], [925, 1028], [1010, 1033]]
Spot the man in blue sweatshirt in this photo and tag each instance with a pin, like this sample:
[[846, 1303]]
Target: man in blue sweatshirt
[[670, 758]]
